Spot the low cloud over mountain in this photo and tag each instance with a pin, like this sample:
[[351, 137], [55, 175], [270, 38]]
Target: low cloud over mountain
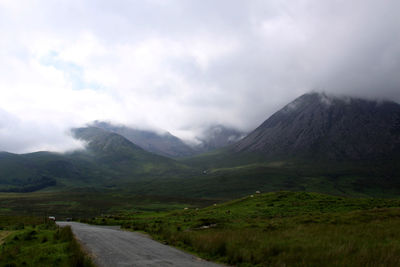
[[183, 65]]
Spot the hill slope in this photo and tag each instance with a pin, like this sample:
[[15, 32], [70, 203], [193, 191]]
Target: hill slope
[[35, 171], [164, 144], [119, 154], [218, 136], [168, 145], [295, 149], [315, 125], [109, 160], [341, 146]]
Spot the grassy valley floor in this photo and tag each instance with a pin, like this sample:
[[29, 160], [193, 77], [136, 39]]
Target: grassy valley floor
[[85, 204], [280, 229]]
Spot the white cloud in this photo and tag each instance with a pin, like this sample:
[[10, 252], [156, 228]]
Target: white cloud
[[182, 65]]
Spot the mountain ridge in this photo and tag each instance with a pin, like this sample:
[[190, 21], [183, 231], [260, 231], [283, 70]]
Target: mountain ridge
[[291, 150], [108, 160], [168, 145], [164, 144], [315, 126]]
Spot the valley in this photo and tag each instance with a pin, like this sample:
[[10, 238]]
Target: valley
[[290, 192], [199, 133]]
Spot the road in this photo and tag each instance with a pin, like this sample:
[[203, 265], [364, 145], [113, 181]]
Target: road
[[113, 247]]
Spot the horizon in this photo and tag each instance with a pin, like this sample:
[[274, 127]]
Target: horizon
[[198, 140]]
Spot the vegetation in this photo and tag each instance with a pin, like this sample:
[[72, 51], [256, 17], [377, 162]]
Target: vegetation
[[83, 204], [113, 164], [34, 241], [280, 229], [110, 161]]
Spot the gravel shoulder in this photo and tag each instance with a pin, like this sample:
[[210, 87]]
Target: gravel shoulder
[[113, 247]]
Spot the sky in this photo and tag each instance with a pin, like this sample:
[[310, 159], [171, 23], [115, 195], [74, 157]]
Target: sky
[[183, 65]]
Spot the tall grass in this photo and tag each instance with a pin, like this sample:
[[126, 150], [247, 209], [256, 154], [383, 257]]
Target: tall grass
[[304, 245], [77, 257], [282, 229], [41, 245]]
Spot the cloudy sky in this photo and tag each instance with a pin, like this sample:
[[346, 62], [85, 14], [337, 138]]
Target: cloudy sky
[[183, 65]]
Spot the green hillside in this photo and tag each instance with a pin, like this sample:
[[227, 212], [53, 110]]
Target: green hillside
[[109, 161], [117, 154], [232, 179], [31, 172]]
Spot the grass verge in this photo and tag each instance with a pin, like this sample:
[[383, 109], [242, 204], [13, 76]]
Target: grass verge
[[29, 243]]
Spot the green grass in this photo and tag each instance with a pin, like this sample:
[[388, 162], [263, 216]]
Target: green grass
[[280, 229], [89, 203], [230, 175], [220, 174], [33, 241]]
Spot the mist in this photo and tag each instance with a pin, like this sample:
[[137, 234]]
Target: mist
[[182, 66]]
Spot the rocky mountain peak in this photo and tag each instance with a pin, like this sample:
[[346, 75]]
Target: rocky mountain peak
[[318, 125]]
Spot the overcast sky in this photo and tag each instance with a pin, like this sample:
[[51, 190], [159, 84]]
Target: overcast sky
[[183, 65]]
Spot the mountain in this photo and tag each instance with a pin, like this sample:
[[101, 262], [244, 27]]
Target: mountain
[[168, 145], [325, 127], [319, 143], [164, 144], [104, 144], [121, 155], [218, 136], [109, 161]]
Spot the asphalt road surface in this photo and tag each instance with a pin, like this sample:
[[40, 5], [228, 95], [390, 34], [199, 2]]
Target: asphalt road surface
[[113, 247]]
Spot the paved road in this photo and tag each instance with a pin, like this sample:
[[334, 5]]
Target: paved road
[[113, 247]]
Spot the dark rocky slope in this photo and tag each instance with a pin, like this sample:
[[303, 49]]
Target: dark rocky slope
[[320, 126]]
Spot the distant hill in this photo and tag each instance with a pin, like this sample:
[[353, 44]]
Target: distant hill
[[118, 153], [35, 171], [320, 126], [218, 136], [319, 143], [164, 144], [102, 142], [168, 145], [108, 161]]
